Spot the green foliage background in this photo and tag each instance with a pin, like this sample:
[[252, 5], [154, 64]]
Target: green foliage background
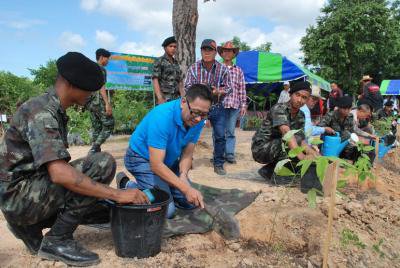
[[129, 107], [353, 38]]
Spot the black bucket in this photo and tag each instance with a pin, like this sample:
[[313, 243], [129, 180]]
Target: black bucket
[[137, 229]]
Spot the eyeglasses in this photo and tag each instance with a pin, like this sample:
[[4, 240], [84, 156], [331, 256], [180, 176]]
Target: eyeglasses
[[208, 49], [195, 114]]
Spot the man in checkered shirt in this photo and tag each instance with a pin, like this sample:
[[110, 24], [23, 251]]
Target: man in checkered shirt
[[235, 102]]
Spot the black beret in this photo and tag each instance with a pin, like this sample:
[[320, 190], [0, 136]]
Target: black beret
[[102, 52], [168, 41], [365, 101], [80, 71], [344, 102], [303, 85], [389, 103]]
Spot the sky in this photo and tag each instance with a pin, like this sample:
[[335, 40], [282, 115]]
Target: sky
[[35, 31]]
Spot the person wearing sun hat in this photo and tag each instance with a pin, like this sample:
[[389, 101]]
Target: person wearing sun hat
[[39, 187], [371, 93], [235, 103]]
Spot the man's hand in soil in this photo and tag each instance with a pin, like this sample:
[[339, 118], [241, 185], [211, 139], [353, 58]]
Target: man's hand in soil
[[195, 197]]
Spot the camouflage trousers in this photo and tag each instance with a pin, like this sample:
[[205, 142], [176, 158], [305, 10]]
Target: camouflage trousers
[[102, 124], [269, 152], [37, 198]]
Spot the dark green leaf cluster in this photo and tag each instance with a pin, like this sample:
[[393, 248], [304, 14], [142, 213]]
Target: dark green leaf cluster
[[352, 38]]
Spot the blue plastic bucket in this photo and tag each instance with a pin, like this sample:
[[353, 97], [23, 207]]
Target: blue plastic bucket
[[383, 150], [331, 145]]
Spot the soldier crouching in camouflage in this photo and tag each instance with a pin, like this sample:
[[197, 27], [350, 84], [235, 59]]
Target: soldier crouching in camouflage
[[38, 187], [167, 75], [267, 142], [342, 121]]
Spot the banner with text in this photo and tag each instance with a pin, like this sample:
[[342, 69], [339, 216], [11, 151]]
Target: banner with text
[[129, 72]]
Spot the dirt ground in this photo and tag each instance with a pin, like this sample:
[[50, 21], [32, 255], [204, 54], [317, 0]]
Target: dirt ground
[[277, 230]]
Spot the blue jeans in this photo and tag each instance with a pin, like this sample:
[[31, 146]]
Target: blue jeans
[[231, 115], [217, 120], [146, 179]]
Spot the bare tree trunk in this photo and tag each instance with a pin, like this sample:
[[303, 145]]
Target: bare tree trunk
[[184, 23]]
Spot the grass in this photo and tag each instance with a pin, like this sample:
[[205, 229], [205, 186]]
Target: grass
[[348, 237], [377, 248]]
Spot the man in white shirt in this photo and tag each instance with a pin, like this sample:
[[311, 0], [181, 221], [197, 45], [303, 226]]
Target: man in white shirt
[[284, 96]]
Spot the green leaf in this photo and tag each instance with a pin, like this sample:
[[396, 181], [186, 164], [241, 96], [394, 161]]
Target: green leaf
[[294, 152], [368, 148], [290, 134], [317, 141], [306, 164], [312, 198], [362, 176], [284, 171], [341, 184], [322, 163], [349, 171], [280, 164]]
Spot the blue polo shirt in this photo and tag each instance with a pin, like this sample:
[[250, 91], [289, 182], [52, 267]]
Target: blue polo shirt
[[163, 128]]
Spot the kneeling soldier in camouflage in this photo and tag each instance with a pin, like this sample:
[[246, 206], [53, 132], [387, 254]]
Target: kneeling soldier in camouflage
[[38, 187], [267, 142]]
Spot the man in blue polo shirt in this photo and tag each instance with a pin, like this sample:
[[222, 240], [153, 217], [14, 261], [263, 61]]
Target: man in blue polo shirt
[[161, 148]]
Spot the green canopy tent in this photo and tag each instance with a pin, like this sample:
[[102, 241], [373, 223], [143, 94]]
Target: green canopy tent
[[265, 67]]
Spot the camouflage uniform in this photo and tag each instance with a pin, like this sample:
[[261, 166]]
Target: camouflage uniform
[[169, 75], [382, 114], [267, 142], [102, 124], [345, 128], [38, 135]]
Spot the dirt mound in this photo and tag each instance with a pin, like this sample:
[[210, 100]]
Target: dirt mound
[[277, 230], [275, 221]]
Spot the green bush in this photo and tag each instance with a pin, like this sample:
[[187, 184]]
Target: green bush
[[383, 126], [129, 108], [79, 122], [252, 123], [14, 90]]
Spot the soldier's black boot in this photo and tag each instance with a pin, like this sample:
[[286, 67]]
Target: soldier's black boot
[[58, 244], [267, 171], [31, 235], [95, 149]]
